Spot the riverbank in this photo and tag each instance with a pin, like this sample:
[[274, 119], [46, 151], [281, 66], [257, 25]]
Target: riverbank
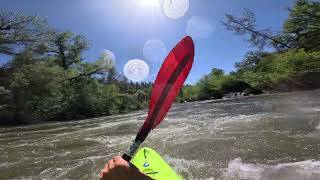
[[234, 99]]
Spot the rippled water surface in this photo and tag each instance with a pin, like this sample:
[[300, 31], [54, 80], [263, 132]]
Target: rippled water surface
[[262, 137]]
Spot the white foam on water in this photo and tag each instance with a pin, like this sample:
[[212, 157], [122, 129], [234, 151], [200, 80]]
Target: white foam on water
[[110, 141], [132, 114], [241, 118], [101, 126], [4, 165], [22, 133], [66, 153], [59, 172], [93, 158], [115, 124], [200, 115], [306, 170], [318, 127], [172, 129], [191, 129], [183, 165], [310, 109]]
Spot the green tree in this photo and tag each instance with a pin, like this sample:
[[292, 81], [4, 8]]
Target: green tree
[[205, 91], [18, 31], [302, 28], [189, 93], [33, 85], [246, 26], [47, 79], [217, 72], [66, 47], [290, 70], [250, 61], [112, 75]]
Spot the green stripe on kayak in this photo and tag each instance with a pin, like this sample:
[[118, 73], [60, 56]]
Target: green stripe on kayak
[[150, 163]]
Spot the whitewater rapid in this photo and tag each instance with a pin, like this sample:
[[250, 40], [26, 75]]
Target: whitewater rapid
[[258, 138]]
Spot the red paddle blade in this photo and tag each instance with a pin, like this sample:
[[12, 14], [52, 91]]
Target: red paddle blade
[[173, 73]]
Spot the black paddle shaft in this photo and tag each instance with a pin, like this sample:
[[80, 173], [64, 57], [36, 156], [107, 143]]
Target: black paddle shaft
[[141, 136], [132, 149], [126, 157]]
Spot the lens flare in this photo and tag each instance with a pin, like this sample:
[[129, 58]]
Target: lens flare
[[108, 57], [148, 3], [155, 50], [107, 60], [136, 70], [175, 9], [199, 28]]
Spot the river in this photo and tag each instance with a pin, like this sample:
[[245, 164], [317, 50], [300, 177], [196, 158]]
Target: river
[[259, 137]]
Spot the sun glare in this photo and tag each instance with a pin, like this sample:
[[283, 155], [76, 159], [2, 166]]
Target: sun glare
[[148, 3]]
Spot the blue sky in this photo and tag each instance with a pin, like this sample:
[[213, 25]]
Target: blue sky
[[123, 26]]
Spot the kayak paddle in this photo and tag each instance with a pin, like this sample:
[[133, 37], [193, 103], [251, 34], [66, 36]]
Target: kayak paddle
[[171, 76]]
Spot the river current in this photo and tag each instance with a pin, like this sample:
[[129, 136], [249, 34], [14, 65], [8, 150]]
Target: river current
[[259, 138]]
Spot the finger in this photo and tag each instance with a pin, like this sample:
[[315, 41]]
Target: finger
[[117, 158], [110, 164], [106, 166], [119, 161], [104, 172], [101, 173]]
